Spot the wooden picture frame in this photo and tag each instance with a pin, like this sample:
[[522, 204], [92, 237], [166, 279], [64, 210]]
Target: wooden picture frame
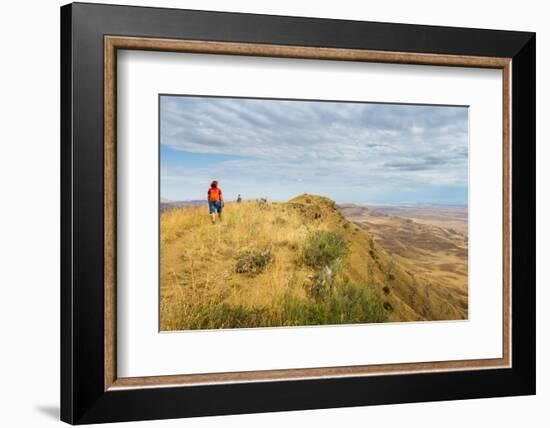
[[91, 390]]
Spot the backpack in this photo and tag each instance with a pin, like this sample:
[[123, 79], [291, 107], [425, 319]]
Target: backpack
[[214, 194]]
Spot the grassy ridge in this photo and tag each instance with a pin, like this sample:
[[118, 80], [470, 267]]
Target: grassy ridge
[[284, 264]]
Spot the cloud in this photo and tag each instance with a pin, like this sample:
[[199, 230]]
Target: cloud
[[339, 146]]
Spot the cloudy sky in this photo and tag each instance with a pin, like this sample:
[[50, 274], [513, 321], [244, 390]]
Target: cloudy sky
[[350, 152]]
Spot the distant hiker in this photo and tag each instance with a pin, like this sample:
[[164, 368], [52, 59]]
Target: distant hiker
[[215, 201], [239, 199]]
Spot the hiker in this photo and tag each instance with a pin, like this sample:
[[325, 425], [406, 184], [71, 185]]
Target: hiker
[[239, 199], [215, 201]]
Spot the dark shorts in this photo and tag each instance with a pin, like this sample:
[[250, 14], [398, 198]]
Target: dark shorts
[[215, 207]]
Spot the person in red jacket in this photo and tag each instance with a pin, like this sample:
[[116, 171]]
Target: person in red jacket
[[215, 201]]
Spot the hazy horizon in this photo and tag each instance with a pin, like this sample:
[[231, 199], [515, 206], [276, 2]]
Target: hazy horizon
[[402, 203], [362, 153]]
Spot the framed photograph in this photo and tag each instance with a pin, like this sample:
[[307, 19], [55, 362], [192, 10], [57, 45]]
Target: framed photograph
[[265, 213]]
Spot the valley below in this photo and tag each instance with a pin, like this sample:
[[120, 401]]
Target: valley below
[[431, 240]]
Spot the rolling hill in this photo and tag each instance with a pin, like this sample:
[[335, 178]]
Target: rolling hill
[[303, 262]]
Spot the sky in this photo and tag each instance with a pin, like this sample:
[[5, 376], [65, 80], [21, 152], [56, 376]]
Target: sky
[[278, 149]]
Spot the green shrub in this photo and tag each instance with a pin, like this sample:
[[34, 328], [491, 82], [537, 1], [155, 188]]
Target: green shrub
[[253, 261], [350, 303], [222, 315], [386, 289], [324, 247], [356, 303], [388, 306], [324, 280]]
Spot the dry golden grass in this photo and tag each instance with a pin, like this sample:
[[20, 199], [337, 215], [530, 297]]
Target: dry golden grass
[[201, 286], [198, 259]]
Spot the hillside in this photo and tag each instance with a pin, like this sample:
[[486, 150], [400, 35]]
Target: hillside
[[295, 263], [432, 241]]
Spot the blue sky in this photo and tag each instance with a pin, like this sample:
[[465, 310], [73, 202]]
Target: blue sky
[[278, 149]]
